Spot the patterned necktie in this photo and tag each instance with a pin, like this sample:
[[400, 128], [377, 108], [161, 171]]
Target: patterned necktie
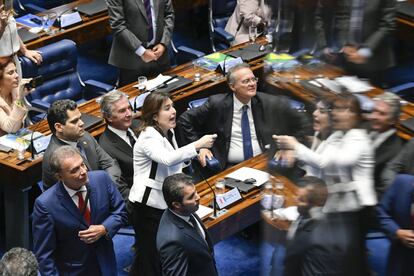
[[247, 139], [355, 25], [131, 139], [147, 5], [81, 149], [84, 208]]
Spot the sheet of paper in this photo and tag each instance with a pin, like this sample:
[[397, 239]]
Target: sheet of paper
[[354, 84], [204, 211], [157, 81], [246, 173], [289, 213]]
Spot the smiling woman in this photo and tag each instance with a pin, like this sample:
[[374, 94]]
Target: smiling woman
[[12, 92]]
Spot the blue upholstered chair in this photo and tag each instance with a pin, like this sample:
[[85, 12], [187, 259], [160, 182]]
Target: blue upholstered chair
[[219, 13], [182, 54], [60, 77]]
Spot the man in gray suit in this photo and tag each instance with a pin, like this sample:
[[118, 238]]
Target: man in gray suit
[[142, 32], [359, 31], [64, 119]]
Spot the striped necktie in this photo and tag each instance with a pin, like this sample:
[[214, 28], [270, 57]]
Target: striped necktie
[[147, 5], [247, 138]]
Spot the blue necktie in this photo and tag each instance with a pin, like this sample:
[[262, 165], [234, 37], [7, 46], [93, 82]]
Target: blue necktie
[[247, 138], [147, 5]]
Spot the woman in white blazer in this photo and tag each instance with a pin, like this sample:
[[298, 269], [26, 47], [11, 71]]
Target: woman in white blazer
[[156, 156]]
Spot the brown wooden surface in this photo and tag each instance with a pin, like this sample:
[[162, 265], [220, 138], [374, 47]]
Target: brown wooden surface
[[247, 211]]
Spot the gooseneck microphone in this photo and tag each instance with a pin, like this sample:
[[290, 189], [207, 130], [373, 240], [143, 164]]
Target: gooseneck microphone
[[198, 171]]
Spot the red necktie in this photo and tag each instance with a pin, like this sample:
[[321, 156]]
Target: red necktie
[[83, 208]]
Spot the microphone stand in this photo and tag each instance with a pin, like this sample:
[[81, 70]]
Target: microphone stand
[[235, 34], [211, 188]]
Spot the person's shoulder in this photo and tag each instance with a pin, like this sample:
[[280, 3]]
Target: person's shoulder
[[220, 98], [49, 196]]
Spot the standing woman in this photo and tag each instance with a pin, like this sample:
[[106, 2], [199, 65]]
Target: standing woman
[[254, 12], [156, 156], [12, 93]]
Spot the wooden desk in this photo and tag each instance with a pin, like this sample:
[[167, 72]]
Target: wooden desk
[[292, 86], [246, 212]]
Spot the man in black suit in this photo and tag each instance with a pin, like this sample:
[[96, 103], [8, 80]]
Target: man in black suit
[[183, 242], [319, 243], [386, 142], [224, 114], [118, 139], [64, 119]]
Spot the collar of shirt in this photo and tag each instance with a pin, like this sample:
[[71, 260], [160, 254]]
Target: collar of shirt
[[73, 192], [71, 143], [122, 133], [238, 105], [379, 138], [185, 218], [316, 213]]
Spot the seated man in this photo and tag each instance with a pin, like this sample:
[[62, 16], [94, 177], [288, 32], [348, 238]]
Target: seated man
[[243, 120], [118, 139], [386, 142], [74, 221], [183, 243], [65, 122], [396, 219]]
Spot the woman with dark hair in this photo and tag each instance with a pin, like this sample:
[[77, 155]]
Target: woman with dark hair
[[156, 156], [12, 93]]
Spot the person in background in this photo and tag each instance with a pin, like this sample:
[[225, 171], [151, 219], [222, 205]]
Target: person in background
[[156, 156], [255, 13], [142, 32], [12, 93], [360, 32], [10, 42], [19, 262], [396, 217], [183, 242], [386, 142]]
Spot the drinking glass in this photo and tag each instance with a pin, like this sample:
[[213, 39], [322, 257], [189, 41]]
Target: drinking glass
[[252, 33], [142, 83]]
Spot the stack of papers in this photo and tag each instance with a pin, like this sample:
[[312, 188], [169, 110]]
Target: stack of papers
[[160, 79], [354, 85], [244, 173]]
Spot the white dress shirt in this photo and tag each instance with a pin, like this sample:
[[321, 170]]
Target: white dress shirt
[[74, 196], [236, 154], [122, 134]]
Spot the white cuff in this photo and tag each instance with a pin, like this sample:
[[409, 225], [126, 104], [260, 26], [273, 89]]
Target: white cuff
[[140, 51]]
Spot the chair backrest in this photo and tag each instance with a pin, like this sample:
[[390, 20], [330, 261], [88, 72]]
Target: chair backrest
[[221, 11], [58, 70]]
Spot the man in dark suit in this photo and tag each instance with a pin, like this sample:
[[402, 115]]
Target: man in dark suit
[[64, 119], [319, 243], [142, 32], [118, 139], [360, 31], [183, 242], [74, 221], [396, 216], [224, 114], [386, 142]]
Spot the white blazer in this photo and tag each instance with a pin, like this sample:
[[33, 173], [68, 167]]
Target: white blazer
[[152, 150], [353, 157]]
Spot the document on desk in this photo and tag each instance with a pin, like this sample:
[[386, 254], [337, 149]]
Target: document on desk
[[354, 84], [204, 211], [158, 81], [244, 173]]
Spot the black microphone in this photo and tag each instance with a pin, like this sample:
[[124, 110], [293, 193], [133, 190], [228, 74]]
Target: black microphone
[[198, 171], [235, 34], [32, 148]]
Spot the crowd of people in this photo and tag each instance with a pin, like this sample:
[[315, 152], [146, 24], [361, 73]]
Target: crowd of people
[[134, 173]]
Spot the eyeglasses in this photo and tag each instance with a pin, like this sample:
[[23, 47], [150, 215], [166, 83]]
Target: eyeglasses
[[247, 81], [324, 110]]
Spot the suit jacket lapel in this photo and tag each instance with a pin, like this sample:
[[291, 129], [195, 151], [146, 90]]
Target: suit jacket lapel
[[92, 203], [86, 148], [118, 143], [140, 4], [257, 119], [208, 238], [68, 203], [228, 118]]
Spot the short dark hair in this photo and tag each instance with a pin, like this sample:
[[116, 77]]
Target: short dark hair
[[172, 188], [19, 262], [317, 190], [57, 113]]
